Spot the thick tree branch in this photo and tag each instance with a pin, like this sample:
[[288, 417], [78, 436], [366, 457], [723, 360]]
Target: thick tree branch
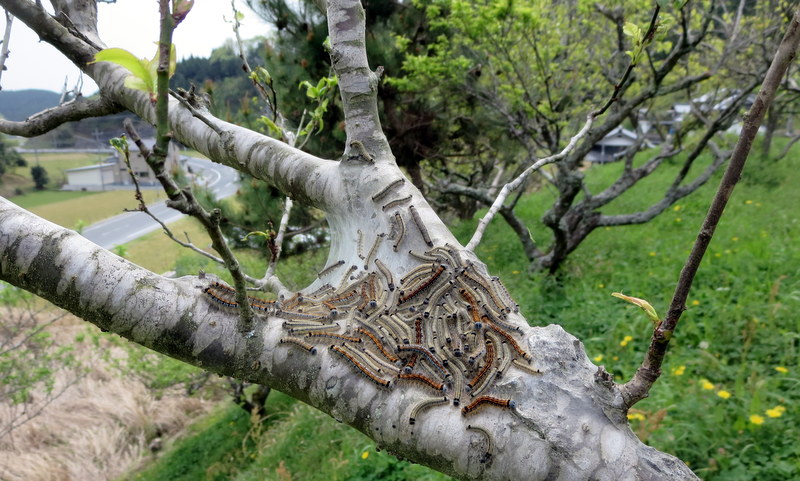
[[639, 386], [531, 440], [47, 120], [357, 83]]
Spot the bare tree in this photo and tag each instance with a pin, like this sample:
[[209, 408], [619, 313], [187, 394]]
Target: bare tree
[[404, 336]]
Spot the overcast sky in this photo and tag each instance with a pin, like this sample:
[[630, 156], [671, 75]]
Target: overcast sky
[[128, 24]]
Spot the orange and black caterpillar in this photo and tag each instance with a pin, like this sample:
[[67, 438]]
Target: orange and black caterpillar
[[478, 402], [364, 370], [226, 296], [423, 379]]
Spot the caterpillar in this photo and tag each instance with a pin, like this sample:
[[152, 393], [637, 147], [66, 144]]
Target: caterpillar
[[489, 445], [405, 298], [373, 250], [305, 330], [479, 282], [369, 374], [386, 274], [388, 355], [299, 342], [422, 230], [360, 244], [396, 202], [425, 352], [332, 336], [401, 230], [423, 379], [511, 341], [483, 400], [425, 404], [524, 367], [329, 269], [416, 272], [489, 358], [383, 192], [225, 295], [505, 360], [423, 257]]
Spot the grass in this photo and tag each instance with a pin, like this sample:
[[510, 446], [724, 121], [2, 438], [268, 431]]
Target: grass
[[45, 197], [56, 163], [156, 252], [69, 209]]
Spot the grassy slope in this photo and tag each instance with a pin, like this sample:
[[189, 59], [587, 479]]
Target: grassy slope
[[715, 405]]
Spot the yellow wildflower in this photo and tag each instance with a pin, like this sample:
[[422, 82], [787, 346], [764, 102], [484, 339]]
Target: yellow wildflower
[[624, 342], [756, 419], [515, 272], [678, 371], [706, 384], [781, 369], [775, 412], [695, 302], [748, 202], [677, 208], [615, 358], [365, 455], [723, 394], [636, 416], [598, 358], [735, 239], [652, 253], [601, 285], [677, 219]]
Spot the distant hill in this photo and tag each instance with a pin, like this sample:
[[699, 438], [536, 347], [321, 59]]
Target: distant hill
[[20, 104]]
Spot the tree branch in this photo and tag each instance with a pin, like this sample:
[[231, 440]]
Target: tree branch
[[357, 83], [639, 386], [514, 184], [74, 110]]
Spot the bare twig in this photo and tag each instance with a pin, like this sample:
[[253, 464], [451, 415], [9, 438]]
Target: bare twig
[[514, 184], [639, 386], [278, 241], [267, 93]]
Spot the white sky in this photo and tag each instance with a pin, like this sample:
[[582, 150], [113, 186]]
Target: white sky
[[128, 24]]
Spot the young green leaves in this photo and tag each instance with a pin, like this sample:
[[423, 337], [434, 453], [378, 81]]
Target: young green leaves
[[142, 71]]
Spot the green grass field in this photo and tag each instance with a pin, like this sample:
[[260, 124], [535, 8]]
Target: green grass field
[[68, 209], [727, 403]]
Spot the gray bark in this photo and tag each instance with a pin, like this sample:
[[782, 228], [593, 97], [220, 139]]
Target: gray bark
[[567, 419]]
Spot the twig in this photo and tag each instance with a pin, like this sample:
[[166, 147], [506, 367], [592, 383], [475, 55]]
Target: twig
[[278, 243], [514, 184], [271, 97], [639, 386]]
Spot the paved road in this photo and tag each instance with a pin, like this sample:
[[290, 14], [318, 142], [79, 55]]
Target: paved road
[[108, 233]]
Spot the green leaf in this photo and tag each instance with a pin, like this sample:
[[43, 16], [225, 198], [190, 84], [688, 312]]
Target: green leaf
[[643, 304], [632, 30], [123, 58]]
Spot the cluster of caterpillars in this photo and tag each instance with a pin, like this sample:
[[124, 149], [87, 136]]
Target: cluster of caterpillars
[[444, 326]]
